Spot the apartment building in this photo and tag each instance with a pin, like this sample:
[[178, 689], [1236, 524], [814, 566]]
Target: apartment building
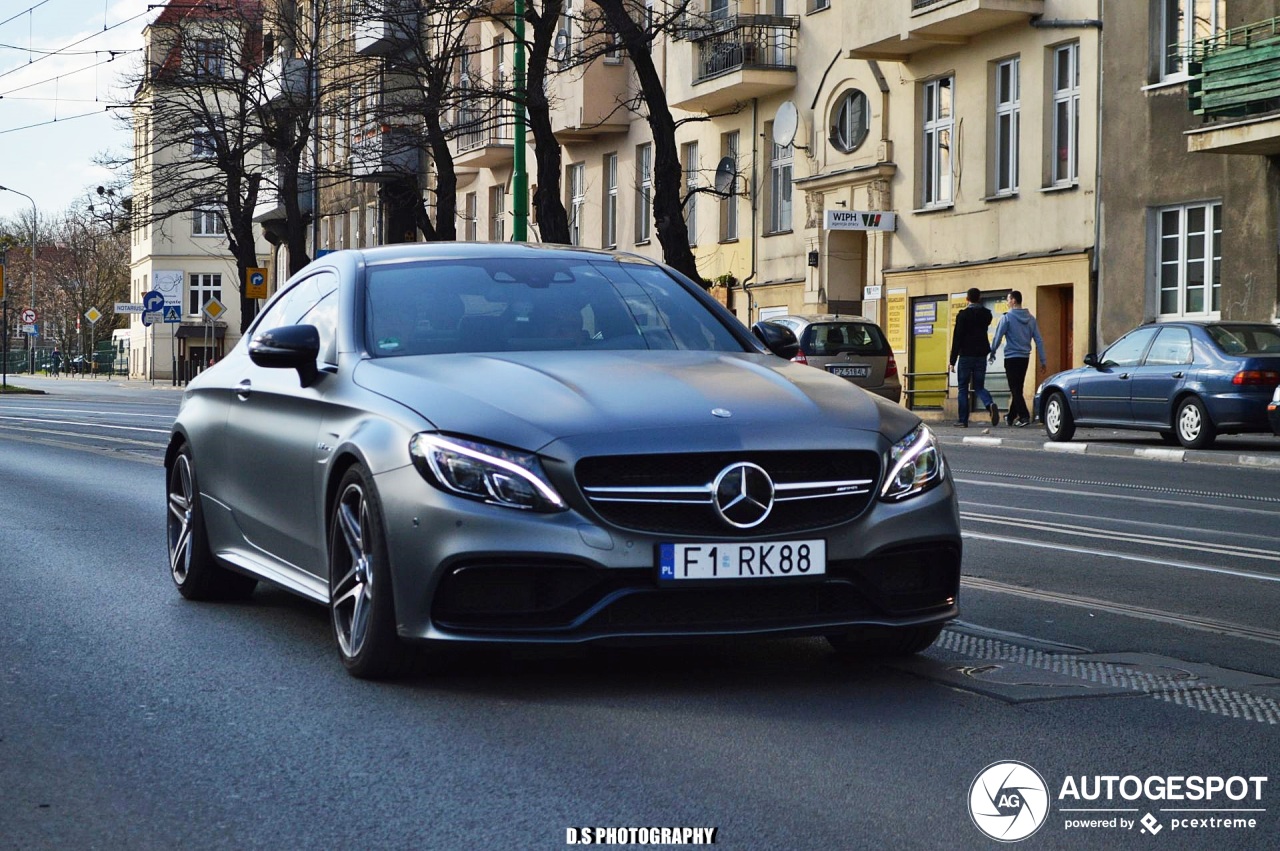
[[184, 256], [1189, 224]]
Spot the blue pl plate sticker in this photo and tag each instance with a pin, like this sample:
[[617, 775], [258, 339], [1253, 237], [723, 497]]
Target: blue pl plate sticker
[[667, 560]]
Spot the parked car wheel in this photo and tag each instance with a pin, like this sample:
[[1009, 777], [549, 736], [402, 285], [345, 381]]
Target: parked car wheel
[[885, 642], [1058, 422], [361, 603], [1194, 428], [192, 564]]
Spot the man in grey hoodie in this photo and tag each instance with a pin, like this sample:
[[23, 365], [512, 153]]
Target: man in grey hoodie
[[1017, 329]]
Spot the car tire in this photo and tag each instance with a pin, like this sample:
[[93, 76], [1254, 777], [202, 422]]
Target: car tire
[[192, 564], [885, 642], [361, 602], [1192, 424], [1059, 425]]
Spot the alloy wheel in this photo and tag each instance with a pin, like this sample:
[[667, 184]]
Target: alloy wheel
[[1053, 415], [353, 593], [1190, 423], [181, 497]]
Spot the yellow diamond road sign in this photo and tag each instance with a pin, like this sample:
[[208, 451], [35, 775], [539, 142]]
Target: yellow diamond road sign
[[214, 308], [93, 315]]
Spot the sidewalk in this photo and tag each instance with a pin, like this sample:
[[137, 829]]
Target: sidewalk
[[47, 383], [1248, 450]]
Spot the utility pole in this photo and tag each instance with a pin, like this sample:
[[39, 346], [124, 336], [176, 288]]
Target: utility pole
[[520, 172]]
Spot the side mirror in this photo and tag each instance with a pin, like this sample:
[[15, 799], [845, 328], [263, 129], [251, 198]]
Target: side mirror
[[288, 347], [778, 339], [1091, 360]]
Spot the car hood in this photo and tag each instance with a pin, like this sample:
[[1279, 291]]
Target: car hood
[[529, 399]]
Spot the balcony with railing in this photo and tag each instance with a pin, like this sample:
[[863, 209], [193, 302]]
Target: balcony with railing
[[733, 59], [590, 101], [897, 29], [270, 205], [383, 153], [284, 81], [389, 29], [1235, 86], [484, 139]]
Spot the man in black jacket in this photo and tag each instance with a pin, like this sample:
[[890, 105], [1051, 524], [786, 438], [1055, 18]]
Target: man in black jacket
[[969, 350]]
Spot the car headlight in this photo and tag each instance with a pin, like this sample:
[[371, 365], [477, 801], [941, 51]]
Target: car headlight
[[488, 473], [915, 465]]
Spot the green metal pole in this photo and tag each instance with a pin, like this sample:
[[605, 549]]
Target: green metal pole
[[520, 174]]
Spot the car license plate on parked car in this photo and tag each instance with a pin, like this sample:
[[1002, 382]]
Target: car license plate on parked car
[[742, 560], [859, 370]]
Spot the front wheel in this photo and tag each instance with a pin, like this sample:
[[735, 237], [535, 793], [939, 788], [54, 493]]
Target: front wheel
[[361, 604], [192, 564], [1192, 424], [1059, 425], [885, 642]]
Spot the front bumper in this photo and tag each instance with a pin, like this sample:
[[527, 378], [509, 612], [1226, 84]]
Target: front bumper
[[468, 572]]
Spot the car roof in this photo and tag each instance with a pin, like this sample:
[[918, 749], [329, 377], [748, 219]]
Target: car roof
[[467, 250], [815, 318]]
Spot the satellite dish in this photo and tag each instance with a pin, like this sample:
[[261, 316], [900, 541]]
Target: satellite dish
[[785, 124], [724, 176]]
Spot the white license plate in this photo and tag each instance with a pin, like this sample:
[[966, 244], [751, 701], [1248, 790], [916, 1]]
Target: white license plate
[[753, 560], [855, 371]]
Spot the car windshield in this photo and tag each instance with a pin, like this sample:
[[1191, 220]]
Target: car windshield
[[837, 338], [1246, 339], [516, 304]]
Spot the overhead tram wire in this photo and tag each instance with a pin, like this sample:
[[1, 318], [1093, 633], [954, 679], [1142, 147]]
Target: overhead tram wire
[[55, 121], [59, 52], [97, 64], [26, 11]]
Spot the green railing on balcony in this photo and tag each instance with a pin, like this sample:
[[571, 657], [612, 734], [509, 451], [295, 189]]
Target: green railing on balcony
[[1237, 72]]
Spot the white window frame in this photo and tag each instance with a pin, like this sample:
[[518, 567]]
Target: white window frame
[[207, 222], [1008, 120], [470, 214], [938, 130], [1178, 259], [691, 189], [1182, 22], [729, 206], [1066, 116], [577, 185], [201, 287], [644, 193], [497, 214], [609, 237], [204, 144], [781, 161]]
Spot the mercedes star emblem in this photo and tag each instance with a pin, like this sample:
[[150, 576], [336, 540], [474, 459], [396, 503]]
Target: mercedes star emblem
[[743, 495]]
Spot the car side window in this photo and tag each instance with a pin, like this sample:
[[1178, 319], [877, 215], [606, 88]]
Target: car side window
[[1172, 347], [1128, 350], [295, 303], [324, 316]]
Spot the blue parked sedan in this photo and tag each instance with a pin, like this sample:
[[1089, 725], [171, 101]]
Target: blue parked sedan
[[1190, 381]]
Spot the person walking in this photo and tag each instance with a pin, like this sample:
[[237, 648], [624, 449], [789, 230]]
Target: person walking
[[969, 351], [55, 361], [1017, 329]]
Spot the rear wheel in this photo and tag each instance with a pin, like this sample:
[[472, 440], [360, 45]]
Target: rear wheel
[[192, 564], [361, 603], [885, 642], [1192, 424], [1058, 422]]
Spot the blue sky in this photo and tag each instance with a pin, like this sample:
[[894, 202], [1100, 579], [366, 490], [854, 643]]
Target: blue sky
[[54, 163]]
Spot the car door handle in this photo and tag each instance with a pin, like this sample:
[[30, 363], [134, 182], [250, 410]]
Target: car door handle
[[1179, 374], [1124, 376], [242, 390]]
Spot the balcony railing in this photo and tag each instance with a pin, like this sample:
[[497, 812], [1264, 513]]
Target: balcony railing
[[481, 132], [1237, 72], [747, 41]]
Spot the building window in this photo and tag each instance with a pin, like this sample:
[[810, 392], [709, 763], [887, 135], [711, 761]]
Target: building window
[[203, 287], [1183, 22], [849, 121], [691, 191], [644, 192], [1066, 114], [577, 201], [780, 160], [371, 225], [609, 239], [729, 206], [819, 5], [1189, 255], [204, 144], [470, 227], [497, 214], [936, 148], [209, 57], [206, 222], [565, 48], [1007, 120]]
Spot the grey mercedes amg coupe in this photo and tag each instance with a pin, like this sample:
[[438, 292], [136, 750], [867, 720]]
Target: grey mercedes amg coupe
[[504, 443]]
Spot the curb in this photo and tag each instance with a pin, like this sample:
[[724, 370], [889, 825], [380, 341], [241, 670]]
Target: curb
[[1177, 456]]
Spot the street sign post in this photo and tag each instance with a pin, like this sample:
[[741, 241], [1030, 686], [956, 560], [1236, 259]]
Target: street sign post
[[93, 315], [152, 304], [127, 307], [255, 283], [28, 316], [172, 313]]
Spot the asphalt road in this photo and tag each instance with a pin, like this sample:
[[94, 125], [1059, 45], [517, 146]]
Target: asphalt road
[[1118, 619]]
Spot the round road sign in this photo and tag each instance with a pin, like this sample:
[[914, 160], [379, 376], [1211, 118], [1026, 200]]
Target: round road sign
[[28, 316]]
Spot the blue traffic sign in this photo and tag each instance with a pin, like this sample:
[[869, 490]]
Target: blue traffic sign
[[153, 301], [172, 313]]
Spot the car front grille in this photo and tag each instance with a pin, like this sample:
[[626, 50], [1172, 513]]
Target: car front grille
[[672, 494]]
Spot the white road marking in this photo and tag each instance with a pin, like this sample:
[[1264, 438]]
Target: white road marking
[[86, 424]]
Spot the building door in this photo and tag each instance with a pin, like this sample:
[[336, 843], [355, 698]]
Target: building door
[[927, 380]]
